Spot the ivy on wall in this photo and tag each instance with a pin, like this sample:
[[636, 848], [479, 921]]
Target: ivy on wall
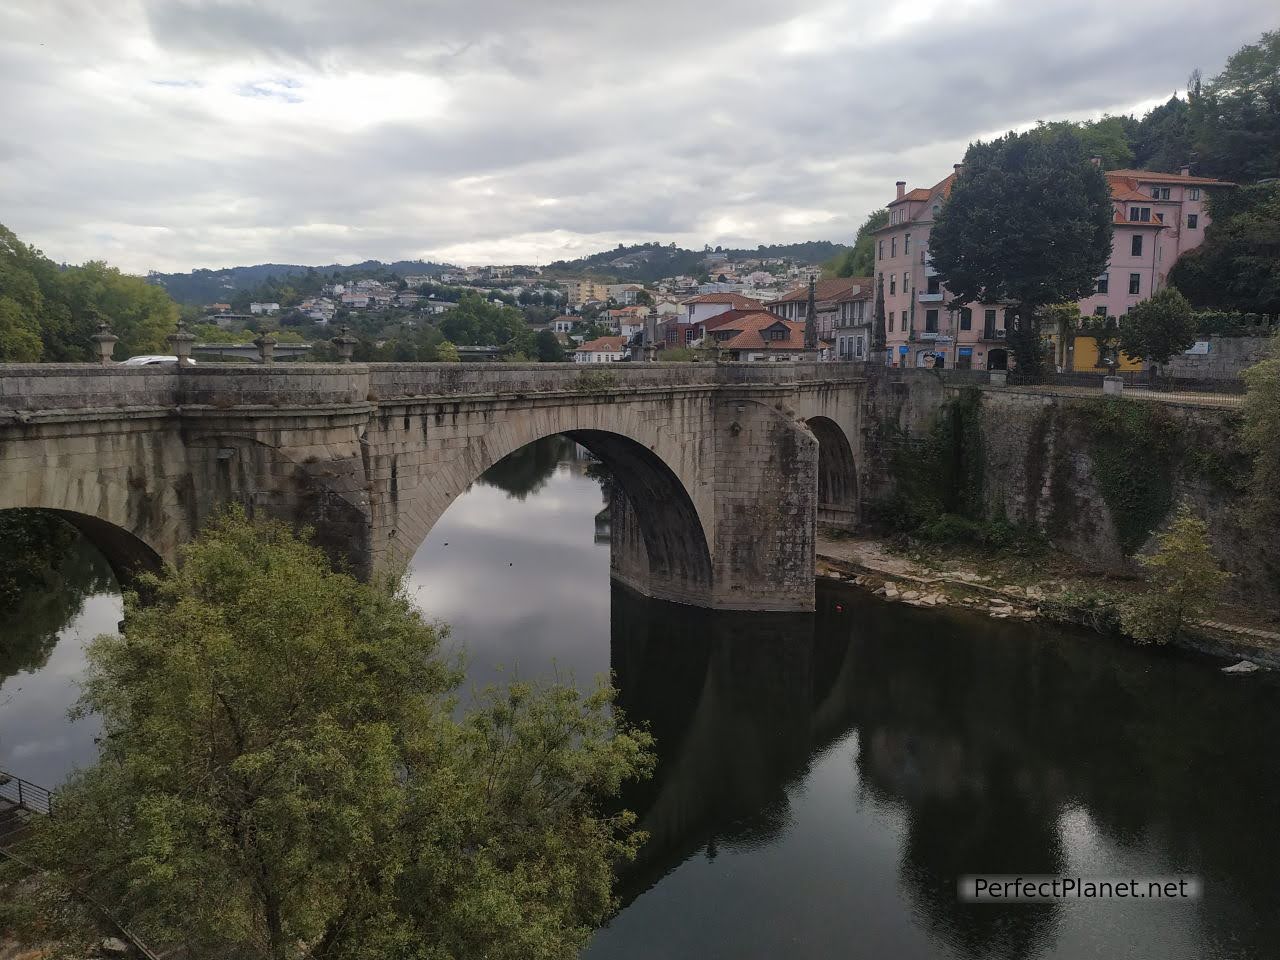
[[1134, 449]]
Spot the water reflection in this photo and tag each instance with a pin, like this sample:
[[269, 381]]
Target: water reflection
[[823, 778], [56, 593], [804, 765]]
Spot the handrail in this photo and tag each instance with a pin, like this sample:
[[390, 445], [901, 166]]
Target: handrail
[[28, 795]]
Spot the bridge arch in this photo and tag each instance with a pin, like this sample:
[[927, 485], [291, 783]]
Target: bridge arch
[[666, 532], [126, 554], [837, 473]]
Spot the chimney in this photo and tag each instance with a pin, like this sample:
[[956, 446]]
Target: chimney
[[957, 167], [1096, 161], [1186, 169], [902, 188]]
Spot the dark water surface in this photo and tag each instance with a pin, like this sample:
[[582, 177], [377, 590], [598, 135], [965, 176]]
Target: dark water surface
[[825, 778]]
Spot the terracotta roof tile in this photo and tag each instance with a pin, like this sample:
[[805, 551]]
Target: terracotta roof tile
[[1152, 176], [604, 345], [734, 316], [830, 289], [751, 334], [736, 300]]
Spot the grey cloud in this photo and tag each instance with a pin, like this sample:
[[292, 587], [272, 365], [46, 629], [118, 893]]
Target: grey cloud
[[144, 137]]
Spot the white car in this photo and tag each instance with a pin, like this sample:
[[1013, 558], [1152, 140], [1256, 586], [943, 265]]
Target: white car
[[149, 360]]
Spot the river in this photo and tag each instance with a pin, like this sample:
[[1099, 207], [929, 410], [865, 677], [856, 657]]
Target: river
[[823, 779]]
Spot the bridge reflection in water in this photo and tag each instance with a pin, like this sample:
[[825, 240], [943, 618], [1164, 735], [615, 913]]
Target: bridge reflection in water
[[825, 778]]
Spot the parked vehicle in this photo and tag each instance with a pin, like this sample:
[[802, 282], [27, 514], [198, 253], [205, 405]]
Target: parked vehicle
[[148, 360]]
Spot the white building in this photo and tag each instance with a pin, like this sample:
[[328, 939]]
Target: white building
[[601, 350], [260, 308]]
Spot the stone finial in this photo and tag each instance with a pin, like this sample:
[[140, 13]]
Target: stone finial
[[266, 345], [180, 342], [345, 343], [106, 341]]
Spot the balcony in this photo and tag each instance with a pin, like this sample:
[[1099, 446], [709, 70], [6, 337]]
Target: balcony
[[925, 297], [991, 333]]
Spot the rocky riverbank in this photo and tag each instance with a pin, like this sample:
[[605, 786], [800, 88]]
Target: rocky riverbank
[[1003, 591]]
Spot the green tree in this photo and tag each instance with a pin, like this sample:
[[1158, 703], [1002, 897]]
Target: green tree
[[446, 352], [1238, 265], [1063, 320], [1162, 138], [283, 775], [1028, 223], [644, 298], [1107, 138], [548, 348], [1184, 582], [1235, 119], [1158, 328], [1261, 435], [860, 259]]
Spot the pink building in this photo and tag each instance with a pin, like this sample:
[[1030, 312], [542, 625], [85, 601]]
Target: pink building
[[1158, 217]]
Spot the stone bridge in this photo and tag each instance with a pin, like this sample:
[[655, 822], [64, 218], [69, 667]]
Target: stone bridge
[[722, 469]]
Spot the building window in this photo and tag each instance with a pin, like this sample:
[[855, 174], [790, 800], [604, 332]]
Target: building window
[[1140, 214], [1100, 311], [1193, 221], [859, 347], [931, 321], [881, 249], [893, 246], [1135, 245], [988, 324], [1193, 193], [891, 321], [1135, 283], [933, 285], [893, 284], [966, 318], [906, 245], [1103, 282], [1159, 193], [1159, 218], [906, 282]]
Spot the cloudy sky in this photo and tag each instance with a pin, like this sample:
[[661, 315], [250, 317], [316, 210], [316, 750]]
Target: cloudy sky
[[170, 134]]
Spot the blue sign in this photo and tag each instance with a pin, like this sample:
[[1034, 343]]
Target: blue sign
[[966, 351], [903, 351]]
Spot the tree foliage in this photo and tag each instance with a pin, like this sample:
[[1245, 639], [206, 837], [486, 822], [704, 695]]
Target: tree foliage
[[49, 312], [1262, 435], [860, 259], [475, 321], [1184, 582], [1235, 117], [283, 775], [1107, 138], [1238, 265], [547, 347], [1159, 327], [1028, 222]]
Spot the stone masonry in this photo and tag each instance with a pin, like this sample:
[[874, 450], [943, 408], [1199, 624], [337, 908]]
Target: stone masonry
[[722, 468]]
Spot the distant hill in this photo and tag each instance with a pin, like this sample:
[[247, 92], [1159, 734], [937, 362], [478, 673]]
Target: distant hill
[[648, 261], [209, 286], [642, 262]]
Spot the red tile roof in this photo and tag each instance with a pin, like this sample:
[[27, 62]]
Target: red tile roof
[[736, 300], [1152, 176], [751, 335], [603, 345], [733, 316], [835, 288]]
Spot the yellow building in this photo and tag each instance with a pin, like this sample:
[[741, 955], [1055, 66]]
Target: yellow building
[[1085, 357], [583, 291]]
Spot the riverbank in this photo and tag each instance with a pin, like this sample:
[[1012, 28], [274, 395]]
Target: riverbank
[[1016, 587]]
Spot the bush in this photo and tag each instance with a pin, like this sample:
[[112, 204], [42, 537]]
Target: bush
[[1087, 606], [1184, 582]]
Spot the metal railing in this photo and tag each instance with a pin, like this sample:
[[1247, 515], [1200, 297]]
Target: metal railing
[[25, 794]]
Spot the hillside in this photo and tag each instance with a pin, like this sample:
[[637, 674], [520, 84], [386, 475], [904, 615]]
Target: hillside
[[208, 286], [644, 262]]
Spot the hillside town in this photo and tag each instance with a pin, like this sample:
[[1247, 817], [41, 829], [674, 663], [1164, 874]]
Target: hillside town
[[762, 309]]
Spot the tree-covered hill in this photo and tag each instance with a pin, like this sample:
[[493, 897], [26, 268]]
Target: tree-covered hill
[[211, 286], [643, 262]]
